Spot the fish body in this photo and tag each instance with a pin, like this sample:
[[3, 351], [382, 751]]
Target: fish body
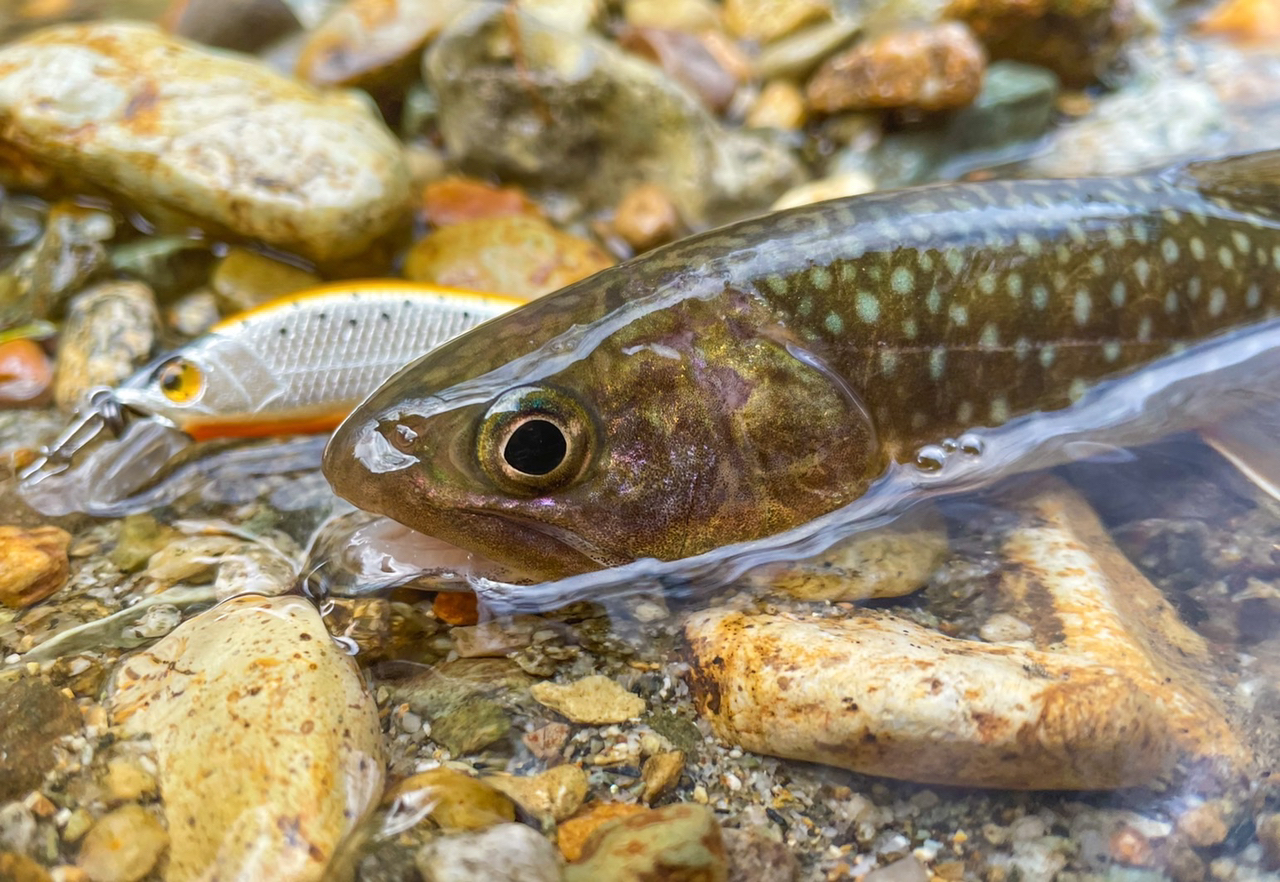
[[741, 382], [301, 363]]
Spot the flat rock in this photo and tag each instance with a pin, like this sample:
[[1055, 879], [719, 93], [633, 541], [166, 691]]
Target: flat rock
[[1111, 693], [190, 135], [268, 747], [679, 841], [593, 699]]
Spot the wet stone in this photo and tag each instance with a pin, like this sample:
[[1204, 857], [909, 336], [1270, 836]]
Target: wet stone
[[1077, 39], [253, 683], [20, 868], [504, 853], [755, 857], [454, 801], [675, 842], [660, 773], [519, 255], [451, 685], [245, 279], [123, 845], [26, 374], [554, 794], [688, 60], [110, 332], [126, 780], [33, 715], [800, 53], [194, 314], [171, 265], [908, 869], [33, 564], [853, 183], [141, 536], [573, 834], [454, 199], [1016, 104], [690, 16], [646, 218], [935, 68], [593, 699], [70, 252], [188, 135], [767, 20], [780, 105], [472, 726]]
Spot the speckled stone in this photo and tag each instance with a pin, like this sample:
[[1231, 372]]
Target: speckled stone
[[268, 747], [123, 845], [33, 715], [679, 841], [593, 699]]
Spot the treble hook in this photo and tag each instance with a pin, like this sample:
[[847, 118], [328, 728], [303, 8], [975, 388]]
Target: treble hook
[[101, 412]]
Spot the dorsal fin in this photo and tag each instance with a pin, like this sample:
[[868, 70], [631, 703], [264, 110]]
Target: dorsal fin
[[1250, 177]]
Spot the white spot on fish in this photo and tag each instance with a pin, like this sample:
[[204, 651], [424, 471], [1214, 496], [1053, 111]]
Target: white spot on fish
[[1111, 351], [777, 284], [888, 361], [1217, 302], [1013, 284], [1029, 244], [1171, 302], [833, 323], [805, 306], [937, 362], [1142, 270], [820, 276], [1241, 241], [954, 259], [933, 300], [1170, 216], [1197, 247], [999, 410], [1022, 348], [1169, 249], [959, 314], [1144, 329], [867, 305], [1097, 264], [910, 329], [1082, 307], [1077, 233], [902, 281], [925, 261], [964, 412], [1253, 296], [1077, 390], [1118, 294], [1048, 355], [990, 337], [1039, 297], [1226, 258], [1115, 236], [987, 284]]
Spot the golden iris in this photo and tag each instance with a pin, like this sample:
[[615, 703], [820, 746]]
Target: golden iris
[[180, 380]]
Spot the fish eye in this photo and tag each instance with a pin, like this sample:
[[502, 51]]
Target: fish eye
[[180, 380], [535, 439]]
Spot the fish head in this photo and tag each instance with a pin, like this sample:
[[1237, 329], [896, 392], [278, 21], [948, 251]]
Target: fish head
[[660, 431]]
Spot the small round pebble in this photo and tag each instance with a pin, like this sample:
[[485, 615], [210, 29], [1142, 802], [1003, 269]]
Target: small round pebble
[[123, 846]]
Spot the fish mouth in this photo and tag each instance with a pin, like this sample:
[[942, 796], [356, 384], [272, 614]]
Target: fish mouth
[[560, 551]]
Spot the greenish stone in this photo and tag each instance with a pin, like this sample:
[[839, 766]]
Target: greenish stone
[[171, 265], [1016, 104], [442, 689], [140, 537], [680, 731], [471, 727]]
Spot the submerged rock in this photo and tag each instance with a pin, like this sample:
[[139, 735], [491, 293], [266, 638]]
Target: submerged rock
[[33, 716], [123, 845], [1112, 693], [269, 749], [33, 564], [110, 332], [26, 374], [593, 699], [523, 100], [454, 801], [69, 253], [674, 842], [932, 68], [184, 134], [505, 853]]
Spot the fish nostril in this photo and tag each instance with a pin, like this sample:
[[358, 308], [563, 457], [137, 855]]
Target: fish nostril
[[402, 438]]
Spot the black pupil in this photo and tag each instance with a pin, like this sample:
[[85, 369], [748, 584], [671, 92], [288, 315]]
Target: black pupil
[[172, 379], [535, 448]]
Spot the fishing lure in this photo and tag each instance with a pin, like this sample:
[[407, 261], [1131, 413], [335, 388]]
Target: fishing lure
[[296, 365]]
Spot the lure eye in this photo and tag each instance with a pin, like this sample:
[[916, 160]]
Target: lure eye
[[535, 439], [180, 380]]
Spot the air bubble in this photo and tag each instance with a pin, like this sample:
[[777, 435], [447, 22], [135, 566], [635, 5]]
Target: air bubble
[[971, 445], [931, 458]]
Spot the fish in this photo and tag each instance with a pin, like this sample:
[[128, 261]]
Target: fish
[[295, 365], [750, 379]]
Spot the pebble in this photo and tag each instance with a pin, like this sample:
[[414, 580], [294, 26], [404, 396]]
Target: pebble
[[593, 700], [754, 856], [194, 313], [1128, 846], [556, 793], [690, 16], [780, 105], [243, 25], [33, 564], [572, 835], [689, 60], [504, 853], [371, 44], [939, 67], [454, 199], [470, 727], [191, 558], [127, 781], [518, 255], [797, 55], [1132, 698], [110, 332], [141, 536], [253, 684], [646, 218], [1016, 104], [244, 279], [571, 140], [123, 845], [68, 254], [660, 773], [246, 150], [853, 183], [495, 638], [1245, 21], [456, 608], [1268, 827], [678, 841], [17, 827], [767, 20], [453, 800], [26, 374], [20, 868], [547, 742], [1076, 39], [1204, 825], [908, 869]]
